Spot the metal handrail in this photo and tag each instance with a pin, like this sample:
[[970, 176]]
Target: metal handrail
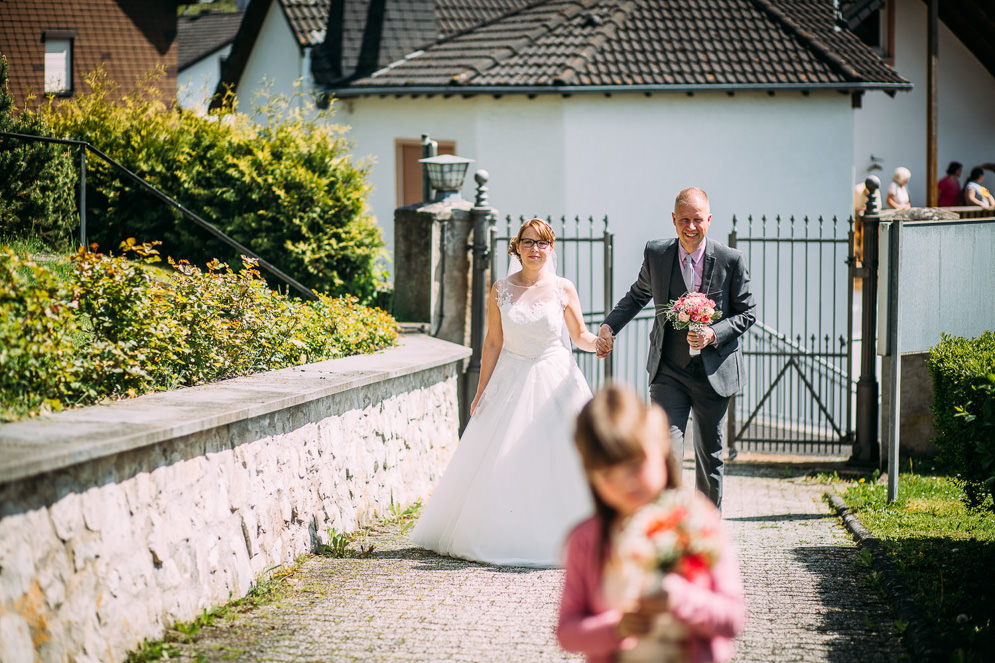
[[760, 327], [158, 193]]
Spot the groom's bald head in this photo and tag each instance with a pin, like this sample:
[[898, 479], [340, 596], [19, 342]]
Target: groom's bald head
[[691, 196]]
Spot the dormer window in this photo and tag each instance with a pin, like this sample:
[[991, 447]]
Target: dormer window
[[58, 61], [874, 24]]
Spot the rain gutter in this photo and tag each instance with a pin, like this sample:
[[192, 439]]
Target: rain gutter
[[411, 90]]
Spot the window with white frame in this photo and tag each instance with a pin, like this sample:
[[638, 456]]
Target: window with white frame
[[58, 62]]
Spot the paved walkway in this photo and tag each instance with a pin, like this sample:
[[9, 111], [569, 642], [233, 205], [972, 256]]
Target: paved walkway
[[404, 604]]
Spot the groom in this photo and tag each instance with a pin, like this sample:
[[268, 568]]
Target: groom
[[681, 383]]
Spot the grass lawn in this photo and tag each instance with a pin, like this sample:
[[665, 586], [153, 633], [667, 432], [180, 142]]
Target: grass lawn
[[944, 551]]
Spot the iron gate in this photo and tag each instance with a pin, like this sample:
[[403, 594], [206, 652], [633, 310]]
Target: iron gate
[[798, 396], [584, 255]]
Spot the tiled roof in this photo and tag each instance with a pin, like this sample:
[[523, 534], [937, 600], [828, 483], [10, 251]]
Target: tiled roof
[[642, 44], [127, 38], [307, 19], [199, 36], [408, 26], [458, 15]]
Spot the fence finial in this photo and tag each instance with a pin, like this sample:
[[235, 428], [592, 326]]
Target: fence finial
[[873, 184], [481, 177]]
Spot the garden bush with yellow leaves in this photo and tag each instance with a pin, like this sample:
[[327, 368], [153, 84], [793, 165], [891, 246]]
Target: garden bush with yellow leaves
[[119, 326]]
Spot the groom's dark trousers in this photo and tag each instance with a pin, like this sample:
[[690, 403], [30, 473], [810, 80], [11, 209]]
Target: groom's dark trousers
[[682, 384]]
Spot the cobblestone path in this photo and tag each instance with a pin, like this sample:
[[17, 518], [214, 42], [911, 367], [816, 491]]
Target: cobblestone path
[[404, 604]]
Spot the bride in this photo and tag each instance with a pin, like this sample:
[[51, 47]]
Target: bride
[[515, 486]]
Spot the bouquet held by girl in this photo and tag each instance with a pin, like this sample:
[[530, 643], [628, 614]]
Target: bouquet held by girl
[[652, 576]]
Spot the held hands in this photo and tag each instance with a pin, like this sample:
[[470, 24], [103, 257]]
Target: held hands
[[701, 338], [605, 342]]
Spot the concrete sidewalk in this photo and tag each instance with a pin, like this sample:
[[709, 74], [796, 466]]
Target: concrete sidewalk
[[805, 600]]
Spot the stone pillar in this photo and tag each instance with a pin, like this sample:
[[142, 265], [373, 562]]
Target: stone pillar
[[431, 267]]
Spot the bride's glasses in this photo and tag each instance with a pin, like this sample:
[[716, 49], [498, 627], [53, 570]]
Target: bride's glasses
[[529, 243]]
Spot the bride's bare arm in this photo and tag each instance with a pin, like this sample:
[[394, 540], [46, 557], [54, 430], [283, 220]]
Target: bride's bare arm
[[574, 317], [493, 340]]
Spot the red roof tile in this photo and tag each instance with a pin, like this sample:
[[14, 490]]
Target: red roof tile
[[128, 38]]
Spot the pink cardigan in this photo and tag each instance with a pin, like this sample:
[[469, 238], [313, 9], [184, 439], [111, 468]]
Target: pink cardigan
[[714, 613]]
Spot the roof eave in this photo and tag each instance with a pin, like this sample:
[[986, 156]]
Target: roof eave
[[451, 90]]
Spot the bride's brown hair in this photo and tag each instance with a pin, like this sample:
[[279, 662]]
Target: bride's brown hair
[[543, 229], [610, 430]]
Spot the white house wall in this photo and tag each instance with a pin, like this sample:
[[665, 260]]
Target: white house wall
[[626, 156], [275, 64], [195, 85], [894, 129]]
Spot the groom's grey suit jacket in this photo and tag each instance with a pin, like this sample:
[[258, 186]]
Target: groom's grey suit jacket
[[724, 278]]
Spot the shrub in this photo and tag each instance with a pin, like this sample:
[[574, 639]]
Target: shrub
[[963, 372], [37, 180], [38, 370], [285, 187], [122, 326]]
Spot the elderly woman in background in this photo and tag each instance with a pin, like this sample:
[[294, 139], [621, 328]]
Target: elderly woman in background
[[898, 195]]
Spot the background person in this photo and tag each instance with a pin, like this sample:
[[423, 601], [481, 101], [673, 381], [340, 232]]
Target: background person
[[898, 194], [975, 193], [950, 192]]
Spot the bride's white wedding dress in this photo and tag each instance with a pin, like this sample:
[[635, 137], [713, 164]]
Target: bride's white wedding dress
[[515, 485]]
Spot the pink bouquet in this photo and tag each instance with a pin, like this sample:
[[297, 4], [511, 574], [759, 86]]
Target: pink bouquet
[[694, 310], [679, 533]]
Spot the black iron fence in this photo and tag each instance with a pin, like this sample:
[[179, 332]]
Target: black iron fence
[[584, 255], [799, 393]]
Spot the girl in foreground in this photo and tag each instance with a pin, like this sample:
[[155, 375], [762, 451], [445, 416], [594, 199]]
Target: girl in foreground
[[690, 613]]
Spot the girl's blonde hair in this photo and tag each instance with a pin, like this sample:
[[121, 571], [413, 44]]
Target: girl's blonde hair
[[612, 429], [543, 229]]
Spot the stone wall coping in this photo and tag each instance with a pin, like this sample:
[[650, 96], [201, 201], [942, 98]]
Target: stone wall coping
[[64, 439]]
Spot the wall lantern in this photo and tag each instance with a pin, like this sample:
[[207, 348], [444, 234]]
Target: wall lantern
[[445, 174]]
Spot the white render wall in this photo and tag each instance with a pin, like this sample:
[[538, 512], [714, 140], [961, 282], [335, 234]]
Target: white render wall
[[276, 63], [894, 129], [625, 155], [196, 84]]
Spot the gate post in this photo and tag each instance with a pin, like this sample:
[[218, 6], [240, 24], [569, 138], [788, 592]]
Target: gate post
[[867, 449], [480, 216], [731, 411]]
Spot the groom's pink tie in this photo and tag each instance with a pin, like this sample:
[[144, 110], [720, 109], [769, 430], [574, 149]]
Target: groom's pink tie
[[689, 274]]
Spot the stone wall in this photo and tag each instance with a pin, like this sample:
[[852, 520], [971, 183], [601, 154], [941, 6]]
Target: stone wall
[[188, 497]]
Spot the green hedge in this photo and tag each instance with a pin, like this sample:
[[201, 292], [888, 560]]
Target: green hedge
[[37, 180], [120, 326], [281, 182], [963, 372]]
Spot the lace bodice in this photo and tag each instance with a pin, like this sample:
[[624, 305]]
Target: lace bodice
[[532, 316]]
